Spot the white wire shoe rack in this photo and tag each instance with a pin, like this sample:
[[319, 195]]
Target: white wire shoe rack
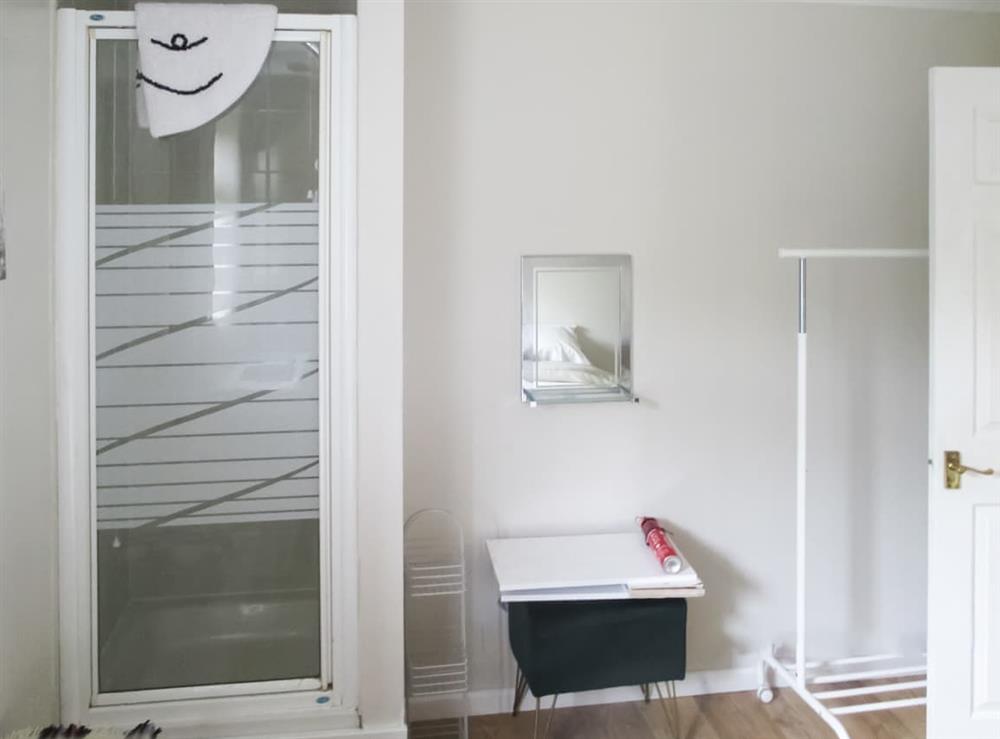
[[821, 683], [437, 664]]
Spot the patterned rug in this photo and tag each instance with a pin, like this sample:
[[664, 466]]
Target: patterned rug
[[145, 730]]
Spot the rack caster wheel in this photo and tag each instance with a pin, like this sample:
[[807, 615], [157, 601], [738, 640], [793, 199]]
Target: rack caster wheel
[[765, 695]]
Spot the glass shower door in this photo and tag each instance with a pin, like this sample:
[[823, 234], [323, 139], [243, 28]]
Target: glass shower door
[[207, 372]]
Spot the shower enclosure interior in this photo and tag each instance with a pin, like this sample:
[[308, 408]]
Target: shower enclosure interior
[[212, 291]]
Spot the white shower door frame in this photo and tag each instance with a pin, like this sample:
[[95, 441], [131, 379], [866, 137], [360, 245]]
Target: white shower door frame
[[331, 701]]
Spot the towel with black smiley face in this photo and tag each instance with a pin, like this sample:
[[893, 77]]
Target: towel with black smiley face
[[197, 60]]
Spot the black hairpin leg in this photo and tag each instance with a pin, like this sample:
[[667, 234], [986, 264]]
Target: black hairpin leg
[[520, 688]]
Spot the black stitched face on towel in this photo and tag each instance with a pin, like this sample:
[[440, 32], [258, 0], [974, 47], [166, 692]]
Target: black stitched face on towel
[[179, 42]]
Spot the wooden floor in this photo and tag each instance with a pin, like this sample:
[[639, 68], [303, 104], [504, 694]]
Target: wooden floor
[[721, 716]]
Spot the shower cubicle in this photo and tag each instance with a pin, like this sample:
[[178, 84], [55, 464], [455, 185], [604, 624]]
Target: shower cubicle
[[205, 313]]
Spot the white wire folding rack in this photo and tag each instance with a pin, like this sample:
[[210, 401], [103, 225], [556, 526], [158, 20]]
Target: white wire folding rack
[[815, 682], [437, 665]]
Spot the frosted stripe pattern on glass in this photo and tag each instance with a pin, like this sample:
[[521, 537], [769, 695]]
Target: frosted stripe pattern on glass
[[206, 364]]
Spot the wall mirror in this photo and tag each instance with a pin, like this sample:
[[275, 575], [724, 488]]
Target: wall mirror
[[576, 328]]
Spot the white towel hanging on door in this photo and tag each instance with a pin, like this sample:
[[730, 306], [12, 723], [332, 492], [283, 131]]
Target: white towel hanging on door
[[196, 60]]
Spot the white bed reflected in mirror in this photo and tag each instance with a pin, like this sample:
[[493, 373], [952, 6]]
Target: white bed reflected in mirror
[[576, 328]]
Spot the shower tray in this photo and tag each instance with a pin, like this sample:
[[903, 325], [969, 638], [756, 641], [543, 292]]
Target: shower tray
[[174, 642]]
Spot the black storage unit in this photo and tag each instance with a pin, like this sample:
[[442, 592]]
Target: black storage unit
[[565, 647]]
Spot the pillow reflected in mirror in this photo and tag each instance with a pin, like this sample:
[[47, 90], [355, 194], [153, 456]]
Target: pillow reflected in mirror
[[559, 359], [557, 344]]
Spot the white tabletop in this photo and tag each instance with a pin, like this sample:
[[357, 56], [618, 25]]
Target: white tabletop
[[588, 567]]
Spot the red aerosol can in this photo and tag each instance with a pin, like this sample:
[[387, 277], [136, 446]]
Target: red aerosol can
[[663, 549]]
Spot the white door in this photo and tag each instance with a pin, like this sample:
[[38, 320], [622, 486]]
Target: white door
[[964, 589]]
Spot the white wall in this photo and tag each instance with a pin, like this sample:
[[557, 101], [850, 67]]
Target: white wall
[[699, 137], [28, 644]]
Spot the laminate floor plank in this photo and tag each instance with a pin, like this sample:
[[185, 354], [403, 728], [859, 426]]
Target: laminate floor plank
[[794, 716], [719, 716], [739, 716], [693, 724], [586, 722], [901, 723], [627, 720]]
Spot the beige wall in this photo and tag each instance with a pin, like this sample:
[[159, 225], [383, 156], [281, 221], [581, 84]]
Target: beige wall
[[700, 138], [28, 642]]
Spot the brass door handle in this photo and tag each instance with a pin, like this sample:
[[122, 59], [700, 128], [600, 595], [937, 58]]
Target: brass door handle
[[954, 469]]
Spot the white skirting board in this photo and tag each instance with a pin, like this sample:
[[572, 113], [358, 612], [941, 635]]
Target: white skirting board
[[500, 700]]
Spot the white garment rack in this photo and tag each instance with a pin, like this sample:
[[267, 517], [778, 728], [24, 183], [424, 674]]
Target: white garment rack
[[801, 675]]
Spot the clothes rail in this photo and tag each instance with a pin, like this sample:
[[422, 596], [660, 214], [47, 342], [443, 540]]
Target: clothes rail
[[800, 674]]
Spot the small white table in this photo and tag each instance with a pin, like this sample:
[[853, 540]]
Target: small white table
[[586, 567], [546, 573]]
